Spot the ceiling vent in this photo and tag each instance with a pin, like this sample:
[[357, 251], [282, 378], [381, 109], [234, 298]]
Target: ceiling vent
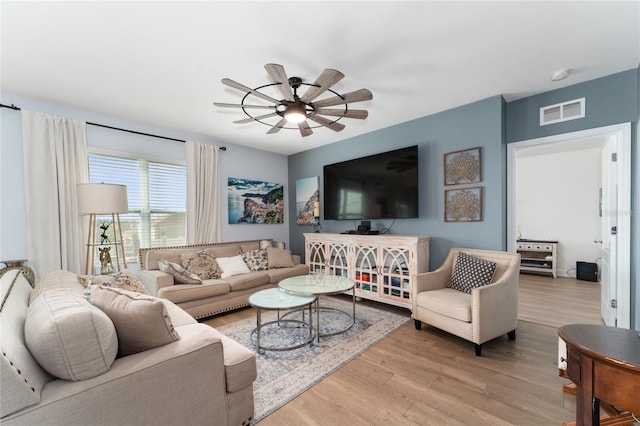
[[565, 111]]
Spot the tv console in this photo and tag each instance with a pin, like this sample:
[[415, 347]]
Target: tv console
[[382, 268]]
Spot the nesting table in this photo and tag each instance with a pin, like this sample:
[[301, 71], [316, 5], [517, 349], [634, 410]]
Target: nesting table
[[276, 299], [322, 285]]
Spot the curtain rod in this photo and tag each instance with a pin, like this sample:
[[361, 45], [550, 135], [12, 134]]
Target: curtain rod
[[15, 108]]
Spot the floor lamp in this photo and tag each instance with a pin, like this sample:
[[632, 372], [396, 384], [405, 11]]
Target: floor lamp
[[95, 199]]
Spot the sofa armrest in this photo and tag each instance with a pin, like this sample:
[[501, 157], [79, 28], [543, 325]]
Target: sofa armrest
[[153, 280], [165, 385], [297, 260]]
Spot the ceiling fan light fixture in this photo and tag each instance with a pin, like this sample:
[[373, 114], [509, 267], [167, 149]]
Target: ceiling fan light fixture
[[296, 113]]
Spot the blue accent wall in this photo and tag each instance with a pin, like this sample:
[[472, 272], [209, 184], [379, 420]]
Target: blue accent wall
[[609, 100], [491, 124], [613, 99], [477, 124]]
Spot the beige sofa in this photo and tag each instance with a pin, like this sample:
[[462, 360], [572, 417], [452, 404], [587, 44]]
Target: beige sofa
[[202, 378], [213, 296]]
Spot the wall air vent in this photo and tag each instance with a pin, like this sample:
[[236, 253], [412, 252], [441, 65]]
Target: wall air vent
[[564, 111]]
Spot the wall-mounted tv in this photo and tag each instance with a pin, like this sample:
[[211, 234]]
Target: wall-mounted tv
[[380, 186]]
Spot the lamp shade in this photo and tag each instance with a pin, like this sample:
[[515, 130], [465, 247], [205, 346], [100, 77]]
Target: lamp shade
[[102, 198]]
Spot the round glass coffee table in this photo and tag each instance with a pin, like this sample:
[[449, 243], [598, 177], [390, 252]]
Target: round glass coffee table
[[276, 299], [322, 285]]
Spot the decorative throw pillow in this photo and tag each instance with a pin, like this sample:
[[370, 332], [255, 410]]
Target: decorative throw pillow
[[279, 258], [201, 263], [69, 337], [470, 272], [125, 280], [256, 260], [270, 243], [180, 274], [232, 266], [142, 321]]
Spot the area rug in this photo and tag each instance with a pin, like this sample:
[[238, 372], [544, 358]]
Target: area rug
[[283, 375]]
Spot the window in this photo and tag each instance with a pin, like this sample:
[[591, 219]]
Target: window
[[157, 200]]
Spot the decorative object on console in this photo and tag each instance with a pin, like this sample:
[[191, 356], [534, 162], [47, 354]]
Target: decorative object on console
[[463, 205], [96, 199], [19, 264], [296, 109], [255, 202], [462, 167]]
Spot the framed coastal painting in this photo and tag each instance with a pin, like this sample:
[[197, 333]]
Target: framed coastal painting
[[462, 167], [463, 205], [255, 202], [307, 201]]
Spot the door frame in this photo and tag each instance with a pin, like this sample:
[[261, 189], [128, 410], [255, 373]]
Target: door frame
[[623, 264]]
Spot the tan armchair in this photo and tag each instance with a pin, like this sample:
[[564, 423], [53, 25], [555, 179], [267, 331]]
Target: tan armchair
[[488, 312]]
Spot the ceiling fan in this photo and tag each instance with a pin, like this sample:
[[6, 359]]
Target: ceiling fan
[[298, 110]]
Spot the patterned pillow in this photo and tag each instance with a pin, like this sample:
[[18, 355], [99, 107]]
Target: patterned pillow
[[180, 274], [202, 264], [122, 279], [256, 260], [470, 272]]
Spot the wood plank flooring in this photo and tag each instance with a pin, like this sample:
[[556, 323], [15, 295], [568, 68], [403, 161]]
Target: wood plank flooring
[[430, 377]]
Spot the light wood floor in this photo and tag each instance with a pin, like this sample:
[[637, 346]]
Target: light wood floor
[[429, 377]]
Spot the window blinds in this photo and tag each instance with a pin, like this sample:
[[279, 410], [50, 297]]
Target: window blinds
[[157, 200]]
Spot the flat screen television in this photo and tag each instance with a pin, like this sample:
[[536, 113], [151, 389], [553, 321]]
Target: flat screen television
[[380, 186]]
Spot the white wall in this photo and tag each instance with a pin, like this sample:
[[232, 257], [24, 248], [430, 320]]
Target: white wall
[[557, 197], [236, 161]]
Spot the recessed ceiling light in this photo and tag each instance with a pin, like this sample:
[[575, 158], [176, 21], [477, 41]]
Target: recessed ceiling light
[[560, 75]]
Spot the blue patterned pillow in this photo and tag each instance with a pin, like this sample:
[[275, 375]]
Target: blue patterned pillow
[[470, 272], [256, 260]]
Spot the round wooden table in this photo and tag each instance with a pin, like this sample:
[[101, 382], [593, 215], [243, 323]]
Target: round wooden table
[[604, 363]]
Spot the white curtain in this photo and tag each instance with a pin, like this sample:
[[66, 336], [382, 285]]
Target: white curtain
[[203, 193], [55, 161]]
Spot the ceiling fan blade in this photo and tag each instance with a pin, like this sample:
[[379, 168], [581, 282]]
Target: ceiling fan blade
[[222, 104], [336, 127], [278, 75], [356, 96], [236, 85], [328, 78], [305, 129], [351, 113], [276, 127], [256, 118]]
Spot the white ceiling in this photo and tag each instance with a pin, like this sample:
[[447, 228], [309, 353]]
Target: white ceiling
[[160, 63]]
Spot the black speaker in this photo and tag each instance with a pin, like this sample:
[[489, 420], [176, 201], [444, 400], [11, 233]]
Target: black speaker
[[364, 227], [587, 271]]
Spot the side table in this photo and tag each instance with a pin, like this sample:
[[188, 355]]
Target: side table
[[322, 285], [276, 299], [604, 363]]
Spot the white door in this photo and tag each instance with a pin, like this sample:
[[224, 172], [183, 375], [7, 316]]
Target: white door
[[609, 212]]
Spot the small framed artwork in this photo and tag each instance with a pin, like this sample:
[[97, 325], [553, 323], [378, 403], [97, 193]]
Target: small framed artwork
[[307, 201], [462, 167], [463, 205]]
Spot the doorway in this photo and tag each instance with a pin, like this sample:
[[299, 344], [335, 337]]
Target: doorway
[[619, 288]]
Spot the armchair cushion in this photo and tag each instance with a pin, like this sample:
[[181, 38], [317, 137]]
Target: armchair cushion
[[448, 302], [470, 272]]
